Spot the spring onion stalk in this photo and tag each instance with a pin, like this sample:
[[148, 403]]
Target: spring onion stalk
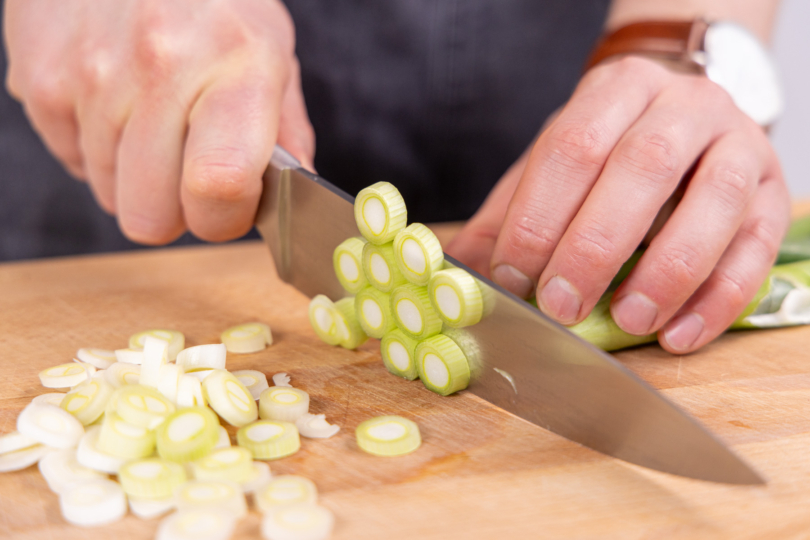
[[152, 478], [247, 338], [87, 400], [50, 425], [89, 454], [600, 329], [197, 524], [442, 365], [348, 325], [124, 440], [456, 297], [380, 267], [388, 436], [92, 504], [51, 398], [783, 300], [99, 358], [65, 375], [188, 434], [283, 404], [11, 442], [150, 508], [210, 494], [254, 381], [121, 374], [259, 477], [189, 392], [169, 381], [796, 245], [303, 521], [323, 317], [129, 356], [268, 439], [281, 379], [224, 440], [233, 463], [348, 262], [61, 470], [204, 356], [418, 253], [398, 354], [175, 341], [285, 490], [17, 460], [229, 398], [413, 312], [142, 406], [380, 212], [373, 308], [155, 356], [315, 426]]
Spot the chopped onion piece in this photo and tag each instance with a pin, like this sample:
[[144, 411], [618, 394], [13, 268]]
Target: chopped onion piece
[[197, 524], [50, 425], [94, 503], [154, 358], [188, 434], [89, 455], [247, 338], [214, 495], [142, 406], [224, 440], [284, 490], [87, 400], [152, 478], [418, 253], [315, 426], [229, 398], [348, 326], [398, 354], [259, 477], [283, 403], [281, 379], [442, 365], [11, 442], [268, 439], [380, 213], [254, 381], [65, 375], [388, 436], [121, 374], [150, 508], [122, 439], [323, 316], [456, 297], [303, 521], [51, 398], [100, 358], [169, 381], [189, 392], [23, 458], [233, 463], [347, 260], [374, 312], [175, 341], [201, 373], [380, 267], [413, 312], [61, 470], [129, 356], [203, 356]]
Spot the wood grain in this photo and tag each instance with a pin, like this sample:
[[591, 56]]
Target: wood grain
[[481, 472]]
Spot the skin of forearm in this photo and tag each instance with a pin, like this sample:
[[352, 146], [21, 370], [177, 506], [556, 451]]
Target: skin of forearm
[[756, 15]]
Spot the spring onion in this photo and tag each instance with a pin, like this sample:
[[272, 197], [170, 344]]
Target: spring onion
[[388, 436], [155, 356], [373, 308], [380, 212], [397, 350], [442, 365], [65, 375], [315, 426], [150, 508], [129, 356], [203, 356], [189, 392], [210, 494], [254, 381], [17, 460], [197, 524], [188, 434], [348, 326], [414, 313], [152, 478], [89, 454], [87, 400], [229, 398], [95, 503], [121, 374], [323, 317], [298, 522], [169, 381], [201, 373], [224, 440], [456, 297], [51, 398], [99, 358], [50, 425], [281, 379], [418, 253], [175, 341], [285, 490], [282, 403], [142, 406], [783, 300], [15, 440], [380, 267], [259, 477], [122, 439], [233, 463], [61, 470], [247, 338], [268, 439], [348, 262], [600, 329]]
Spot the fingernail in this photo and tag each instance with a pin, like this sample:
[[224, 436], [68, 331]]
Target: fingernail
[[513, 280], [682, 333], [560, 300], [635, 313]]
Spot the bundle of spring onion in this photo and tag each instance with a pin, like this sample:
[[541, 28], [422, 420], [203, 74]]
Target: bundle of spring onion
[[155, 425], [403, 295]]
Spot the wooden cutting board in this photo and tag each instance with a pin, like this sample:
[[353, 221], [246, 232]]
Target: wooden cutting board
[[480, 473]]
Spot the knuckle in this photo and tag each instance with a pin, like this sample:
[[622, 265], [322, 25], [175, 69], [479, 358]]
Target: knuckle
[[731, 185], [228, 180], [580, 145], [592, 249], [677, 267], [96, 73], [528, 234], [157, 53], [651, 155], [45, 93]]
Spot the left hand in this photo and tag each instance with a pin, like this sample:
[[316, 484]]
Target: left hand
[[566, 216]]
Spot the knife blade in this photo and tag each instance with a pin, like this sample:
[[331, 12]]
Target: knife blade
[[521, 360]]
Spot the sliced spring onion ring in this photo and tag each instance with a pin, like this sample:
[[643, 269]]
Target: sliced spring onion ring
[[50, 425], [188, 434], [233, 463], [414, 313], [154, 358], [124, 440], [281, 379], [224, 440], [254, 381], [129, 356], [373, 308], [175, 341], [142, 406], [348, 262], [150, 508], [11, 442], [87, 400], [323, 317], [152, 478], [397, 350], [100, 358], [247, 338], [201, 373], [284, 490], [23, 458], [65, 375], [89, 455], [219, 495], [418, 252], [315, 426], [197, 524], [94, 503], [203, 356], [229, 398], [268, 439], [259, 477], [303, 521], [388, 436], [61, 469], [169, 381], [380, 212], [51, 398], [121, 374], [456, 297], [189, 392], [353, 334], [283, 404], [381, 268], [442, 365]]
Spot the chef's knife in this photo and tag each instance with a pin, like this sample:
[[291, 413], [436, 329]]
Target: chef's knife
[[521, 360]]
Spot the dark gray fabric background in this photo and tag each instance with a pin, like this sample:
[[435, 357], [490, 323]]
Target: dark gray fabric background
[[438, 97]]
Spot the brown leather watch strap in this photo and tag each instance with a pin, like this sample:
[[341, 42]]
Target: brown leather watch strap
[[668, 40]]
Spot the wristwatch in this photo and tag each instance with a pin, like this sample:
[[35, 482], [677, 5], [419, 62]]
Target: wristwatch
[[725, 52]]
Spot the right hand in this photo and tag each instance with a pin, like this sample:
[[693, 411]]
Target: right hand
[[170, 110]]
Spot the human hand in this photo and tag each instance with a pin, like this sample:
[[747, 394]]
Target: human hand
[[170, 110], [566, 216]]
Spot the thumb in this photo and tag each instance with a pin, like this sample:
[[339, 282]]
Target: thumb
[[295, 133]]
